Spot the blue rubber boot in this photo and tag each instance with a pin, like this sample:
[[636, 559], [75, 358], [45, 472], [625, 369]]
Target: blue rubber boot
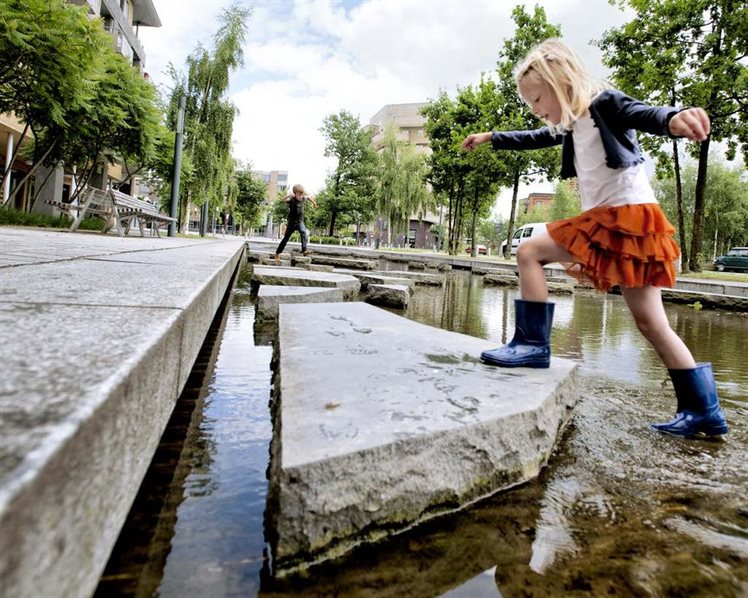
[[530, 347], [698, 412]]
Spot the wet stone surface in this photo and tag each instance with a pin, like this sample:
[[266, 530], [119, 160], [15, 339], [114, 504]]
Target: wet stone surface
[[620, 510]]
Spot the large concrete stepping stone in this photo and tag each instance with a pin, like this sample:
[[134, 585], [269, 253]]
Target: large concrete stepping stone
[[367, 278], [381, 422], [344, 262], [388, 295], [421, 278], [305, 278], [270, 297]]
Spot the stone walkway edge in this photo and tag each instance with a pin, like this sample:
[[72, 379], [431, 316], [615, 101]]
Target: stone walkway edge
[[99, 335]]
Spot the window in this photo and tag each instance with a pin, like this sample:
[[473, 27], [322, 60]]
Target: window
[[527, 232]]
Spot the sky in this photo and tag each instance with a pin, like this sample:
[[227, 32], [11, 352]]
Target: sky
[[307, 59]]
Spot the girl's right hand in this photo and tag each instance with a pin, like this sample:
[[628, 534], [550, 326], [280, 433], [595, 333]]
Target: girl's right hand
[[474, 140]]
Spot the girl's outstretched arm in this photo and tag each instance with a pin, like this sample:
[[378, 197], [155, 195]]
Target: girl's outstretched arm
[[474, 140], [691, 123]]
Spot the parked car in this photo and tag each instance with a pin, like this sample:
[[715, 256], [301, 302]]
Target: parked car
[[523, 233], [479, 249], [735, 259]]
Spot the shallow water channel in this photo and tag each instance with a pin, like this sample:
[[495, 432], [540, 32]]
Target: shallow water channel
[[620, 510]]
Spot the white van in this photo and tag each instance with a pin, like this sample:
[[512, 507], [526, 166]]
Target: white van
[[523, 233]]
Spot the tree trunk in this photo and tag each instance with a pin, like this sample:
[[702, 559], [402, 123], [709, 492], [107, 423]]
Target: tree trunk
[[697, 232], [512, 211], [474, 223], [682, 241]]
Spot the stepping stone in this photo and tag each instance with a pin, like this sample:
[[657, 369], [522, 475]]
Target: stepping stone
[[421, 278], [300, 260], [367, 278], [270, 297], [388, 295], [344, 262], [305, 278], [381, 423], [501, 280]]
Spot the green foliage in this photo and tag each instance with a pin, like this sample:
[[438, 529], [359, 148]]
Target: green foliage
[[209, 115], [349, 194], [401, 189], [492, 232], [81, 100], [18, 218], [692, 54], [566, 202], [726, 198], [250, 198], [470, 181]]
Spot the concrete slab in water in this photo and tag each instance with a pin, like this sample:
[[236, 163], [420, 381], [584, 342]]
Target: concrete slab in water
[[381, 422], [270, 297], [305, 278]]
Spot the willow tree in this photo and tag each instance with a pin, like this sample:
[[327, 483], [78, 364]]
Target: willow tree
[[401, 183], [209, 114]]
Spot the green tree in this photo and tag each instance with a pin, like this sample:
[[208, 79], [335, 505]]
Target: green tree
[[566, 201], [702, 45], [726, 197], [492, 232], [209, 115], [447, 166], [350, 189], [250, 197], [49, 63], [401, 189], [513, 114]]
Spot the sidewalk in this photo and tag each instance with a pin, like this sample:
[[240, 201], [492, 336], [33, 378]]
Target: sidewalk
[[97, 337]]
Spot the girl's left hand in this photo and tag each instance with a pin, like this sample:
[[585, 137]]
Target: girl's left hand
[[691, 123]]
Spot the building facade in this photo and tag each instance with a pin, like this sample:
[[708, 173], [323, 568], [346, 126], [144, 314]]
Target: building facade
[[536, 200], [277, 182]]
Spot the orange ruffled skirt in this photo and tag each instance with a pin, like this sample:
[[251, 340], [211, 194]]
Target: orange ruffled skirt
[[630, 246]]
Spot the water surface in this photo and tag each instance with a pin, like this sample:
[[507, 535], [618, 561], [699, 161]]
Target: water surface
[[620, 510]]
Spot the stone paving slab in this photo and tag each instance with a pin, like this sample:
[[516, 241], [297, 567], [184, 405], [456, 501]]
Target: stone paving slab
[[367, 278], [421, 278], [99, 334], [381, 422], [389, 295], [270, 275], [270, 297]]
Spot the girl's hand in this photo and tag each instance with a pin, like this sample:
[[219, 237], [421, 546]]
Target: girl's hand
[[691, 123], [474, 140]]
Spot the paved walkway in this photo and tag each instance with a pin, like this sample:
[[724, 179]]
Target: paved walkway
[[97, 337]]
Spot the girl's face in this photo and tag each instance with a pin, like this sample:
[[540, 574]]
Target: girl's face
[[541, 98]]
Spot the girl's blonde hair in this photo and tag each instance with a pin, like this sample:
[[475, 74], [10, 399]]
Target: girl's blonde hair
[[559, 66]]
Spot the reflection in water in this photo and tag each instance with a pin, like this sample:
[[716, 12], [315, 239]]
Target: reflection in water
[[620, 510]]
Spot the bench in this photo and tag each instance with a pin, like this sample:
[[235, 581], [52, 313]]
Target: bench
[[117, 209], [132, 209]]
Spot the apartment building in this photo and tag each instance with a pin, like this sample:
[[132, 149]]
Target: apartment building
[[122, 19], [536, 200], [410, 128], [277, 182]]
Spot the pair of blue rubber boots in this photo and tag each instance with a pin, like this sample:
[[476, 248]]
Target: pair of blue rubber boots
[[698, 412]]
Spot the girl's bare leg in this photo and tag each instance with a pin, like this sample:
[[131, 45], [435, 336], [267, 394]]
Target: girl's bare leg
[[645, 304], [531, 256]]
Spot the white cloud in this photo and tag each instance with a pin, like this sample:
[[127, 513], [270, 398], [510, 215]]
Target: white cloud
[[307, 59]]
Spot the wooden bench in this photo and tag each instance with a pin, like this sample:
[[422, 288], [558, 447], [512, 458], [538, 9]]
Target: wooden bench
[[117, 209], [131, 209]]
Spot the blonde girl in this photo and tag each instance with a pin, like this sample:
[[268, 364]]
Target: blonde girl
[[621, 237]]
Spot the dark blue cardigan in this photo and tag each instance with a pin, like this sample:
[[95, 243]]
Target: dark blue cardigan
[[616, 115]]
